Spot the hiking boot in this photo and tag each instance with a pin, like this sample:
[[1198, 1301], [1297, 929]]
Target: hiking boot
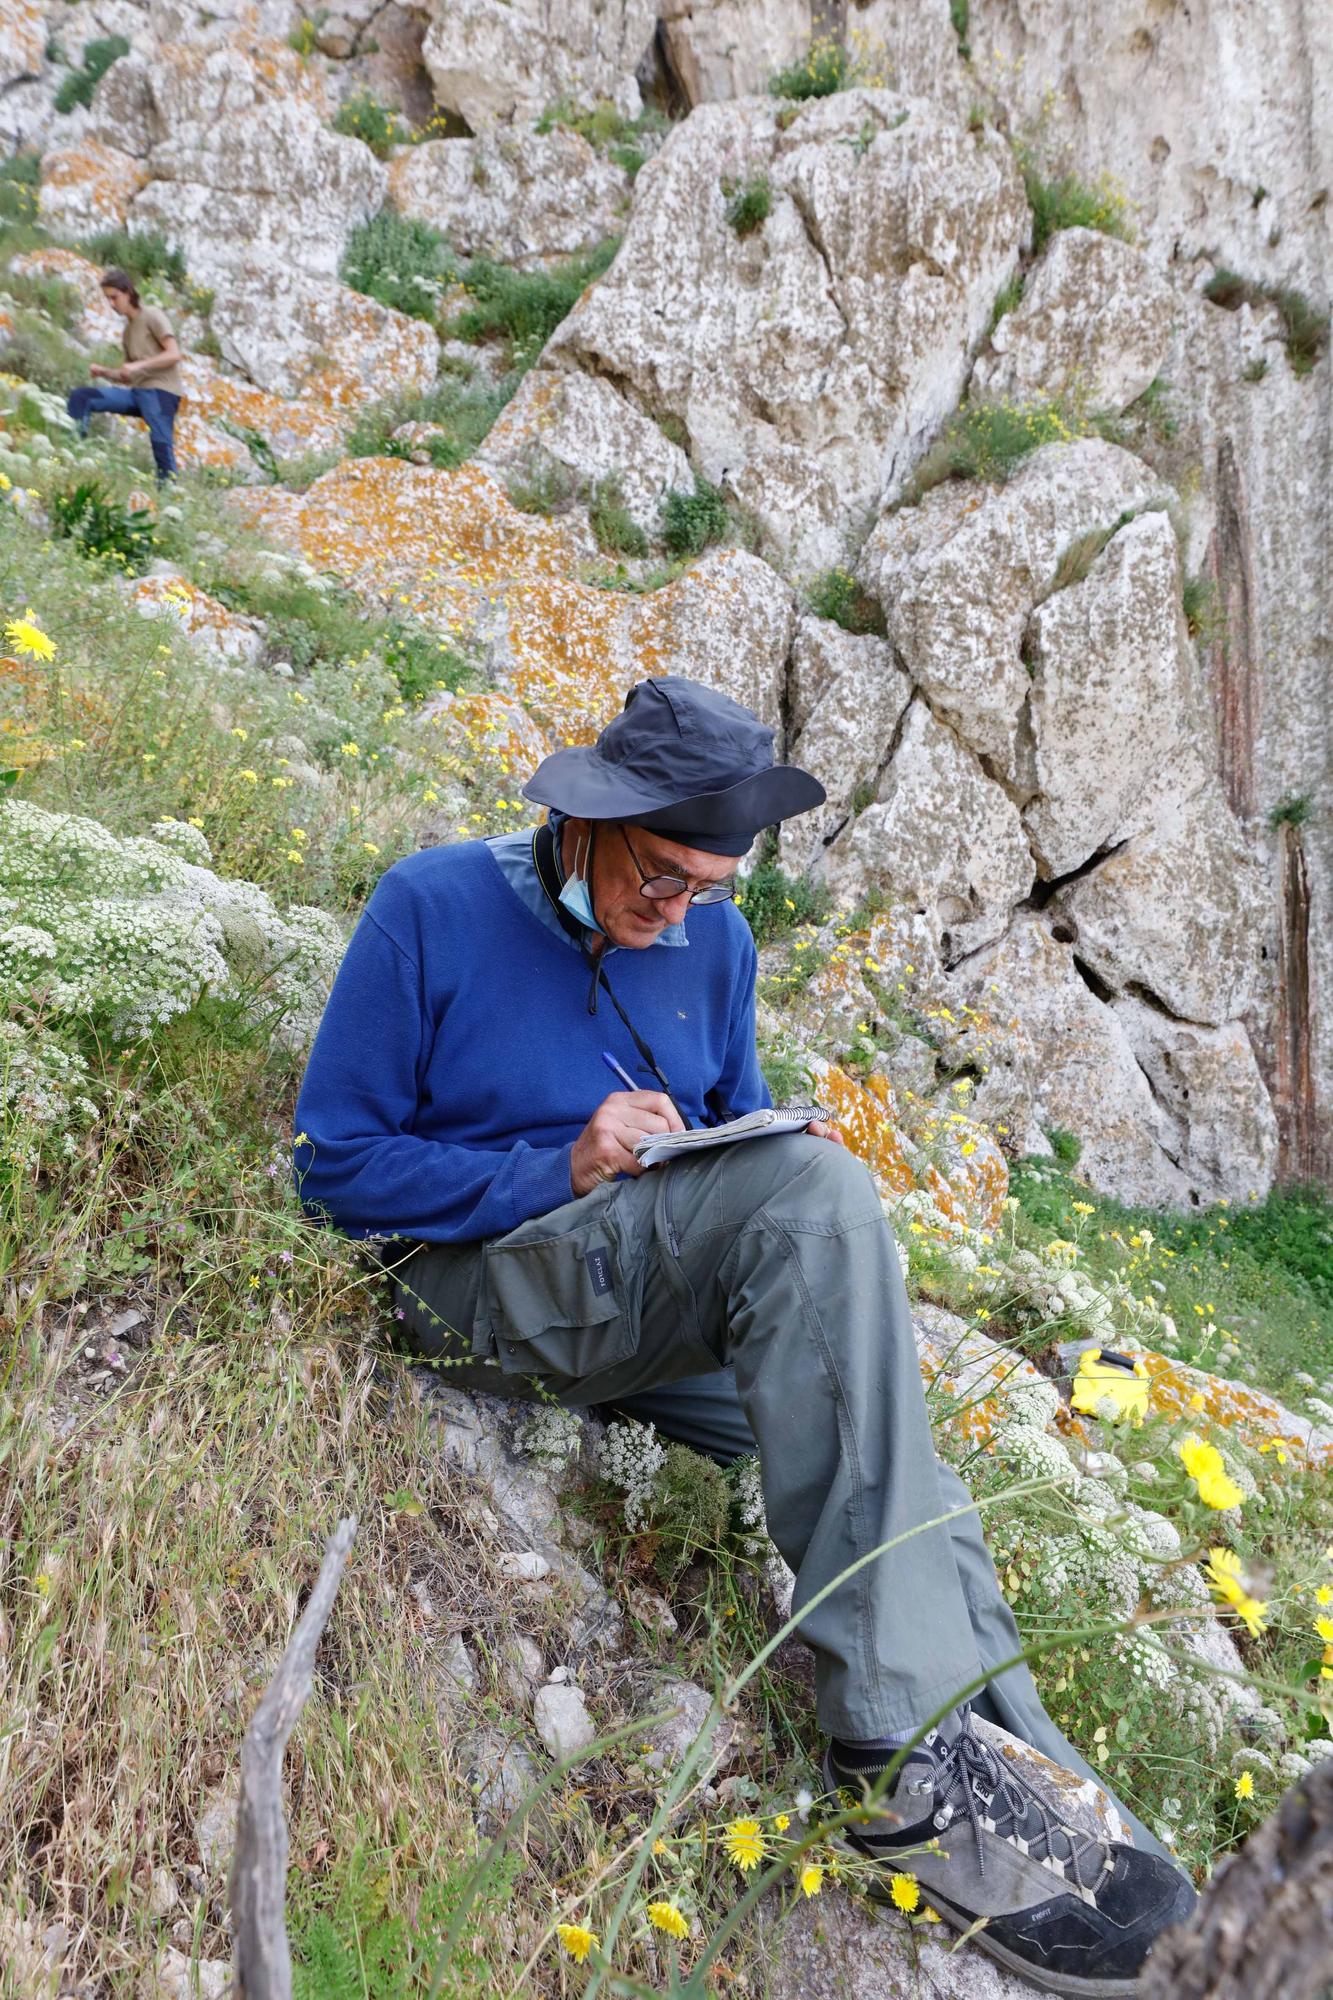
[[1070, 1913]]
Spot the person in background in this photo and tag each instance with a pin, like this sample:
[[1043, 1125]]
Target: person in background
[[148, 382]]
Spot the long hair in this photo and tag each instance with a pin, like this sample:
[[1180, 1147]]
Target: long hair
[[119, 281]]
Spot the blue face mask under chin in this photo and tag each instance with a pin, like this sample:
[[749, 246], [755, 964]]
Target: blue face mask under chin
[[577, 899]]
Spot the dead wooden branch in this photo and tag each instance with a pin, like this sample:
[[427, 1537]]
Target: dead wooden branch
[[262, 1961], [1264, 1926]]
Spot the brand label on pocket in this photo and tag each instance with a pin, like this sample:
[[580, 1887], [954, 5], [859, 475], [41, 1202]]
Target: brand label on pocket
[[599, 1269]]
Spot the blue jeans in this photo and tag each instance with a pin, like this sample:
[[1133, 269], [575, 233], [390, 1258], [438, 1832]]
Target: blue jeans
[[157, 408]]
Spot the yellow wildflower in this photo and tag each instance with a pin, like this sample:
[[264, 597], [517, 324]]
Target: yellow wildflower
[[250, 777], [193, 821], [812, 1879], [1324, 1627], [968, 1147], [1324, 1594], [295, 854], [1278, 1447], [297, 832], [1225, 1580], [241, 735], [782, 1821], [1245, 1786], [370, 847], [577, 1940], [905, 1891], [666, 1917], [744, 1844], [26, 637], [354, 750], [1082, 1207], [1205, 1466]]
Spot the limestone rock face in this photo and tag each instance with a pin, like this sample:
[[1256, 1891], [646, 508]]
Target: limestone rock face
[[852, 697], [272, 187], [1095, 319], [1112, 695], [311, 330], [1213, 122], [497, 62], [941, 836], [87, 187], [1070, 1064], [580, 425], [1208, 1081], [1175, 913], [521, 197], [811, 358], [960, 575], [96, 324], [717, 49]]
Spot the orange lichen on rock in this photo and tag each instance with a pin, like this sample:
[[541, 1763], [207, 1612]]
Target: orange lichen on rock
[[291, 425], [1232, 1406], [88, 186], [481, 725], [865, 1118]]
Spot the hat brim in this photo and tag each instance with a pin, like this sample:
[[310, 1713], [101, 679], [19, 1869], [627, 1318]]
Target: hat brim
[[578, 781]]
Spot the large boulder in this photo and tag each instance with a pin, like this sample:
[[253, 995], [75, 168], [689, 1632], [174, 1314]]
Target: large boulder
[[1095, 320], [271, 189], [941, 836], [1208, 1081], [960, 575], [849, 696], [87, 187], [521, 197], [190, 82], [315, 334], [717, 49], [812, 357], [579, 427], [498, 62]]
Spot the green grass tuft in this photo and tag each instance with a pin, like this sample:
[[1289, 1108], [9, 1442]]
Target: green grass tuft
[[1069, 203], [749, 204], [76, 91], [692, 522], [612, 523], [773, 903], [401, 262], [144, 253], [524, 308], [837, 595]]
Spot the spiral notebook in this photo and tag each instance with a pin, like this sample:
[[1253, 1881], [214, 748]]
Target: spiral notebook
[[659, 1146]]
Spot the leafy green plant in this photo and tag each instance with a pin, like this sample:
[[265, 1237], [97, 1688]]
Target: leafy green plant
[[362, 116], [825, 68], [1304, 327], [105, 530], [144, 253], [692, 521], [399, 261], [750, 203], [614, 526], [20, 178], [1198, 599], [773, 903], [837, 595], [524, 308], [1007, 300], [304, 37], [627, 141], [1069, 203], [989, 440], [1065, 1145], [76, 90], [462, 413], [1292, 810], [960, 12]]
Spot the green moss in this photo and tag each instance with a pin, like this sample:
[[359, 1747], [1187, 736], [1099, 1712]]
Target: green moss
[[1007, 300]]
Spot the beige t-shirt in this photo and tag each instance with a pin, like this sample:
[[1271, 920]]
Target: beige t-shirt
[[148, 333]]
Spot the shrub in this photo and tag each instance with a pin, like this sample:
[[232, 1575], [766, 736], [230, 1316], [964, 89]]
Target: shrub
[[1065, 1145], [403, 263], [524, 308], [773, 903], [750, 204], [463, 412], [692, 521], [614, 526], [144, 253], [1198, 599], [1069, 203], [76, 92], [105, 530], [627, 141], [837, 595], [990, 440], [363, 117], [826, 68], [20, 178]]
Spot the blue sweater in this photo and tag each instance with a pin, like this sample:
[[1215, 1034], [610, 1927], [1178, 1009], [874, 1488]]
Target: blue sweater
[[457, 1063]]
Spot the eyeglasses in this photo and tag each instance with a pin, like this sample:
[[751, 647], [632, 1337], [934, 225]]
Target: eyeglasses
[[661, 888]]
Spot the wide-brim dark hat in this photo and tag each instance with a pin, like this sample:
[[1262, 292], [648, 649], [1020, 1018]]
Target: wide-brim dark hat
[[681, 759]]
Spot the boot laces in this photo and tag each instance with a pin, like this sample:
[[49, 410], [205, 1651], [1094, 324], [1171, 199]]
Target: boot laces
[[968, 1767]]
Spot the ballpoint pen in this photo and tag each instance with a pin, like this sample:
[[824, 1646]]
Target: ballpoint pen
[[612, 1064]]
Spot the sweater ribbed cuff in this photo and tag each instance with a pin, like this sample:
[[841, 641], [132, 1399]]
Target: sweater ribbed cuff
[[541, 1181]]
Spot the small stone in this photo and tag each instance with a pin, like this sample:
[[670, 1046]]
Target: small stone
[[163, 1895], [179, 1978], [652, 1611], [215, 1831], [558, 1676], [524, 1564], [562, 1720]]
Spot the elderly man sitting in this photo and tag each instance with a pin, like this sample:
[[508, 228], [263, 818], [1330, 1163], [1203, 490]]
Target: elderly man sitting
[[746, 1296]]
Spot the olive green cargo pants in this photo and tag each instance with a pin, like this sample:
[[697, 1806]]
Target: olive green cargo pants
[[773, 1260]]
